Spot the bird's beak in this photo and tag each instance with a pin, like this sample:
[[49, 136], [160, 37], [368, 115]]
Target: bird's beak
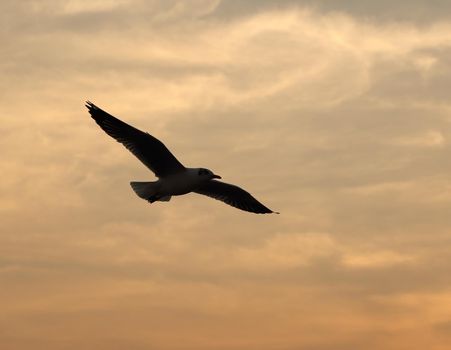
[[216, 176]]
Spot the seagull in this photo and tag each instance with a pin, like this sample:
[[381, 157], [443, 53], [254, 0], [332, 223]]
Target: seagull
[[173, 178]]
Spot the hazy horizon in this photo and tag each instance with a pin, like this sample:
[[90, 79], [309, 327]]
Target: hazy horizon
[[335, 113]]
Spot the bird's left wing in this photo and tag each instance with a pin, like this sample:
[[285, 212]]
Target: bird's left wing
[[148, 149], [234, 196]]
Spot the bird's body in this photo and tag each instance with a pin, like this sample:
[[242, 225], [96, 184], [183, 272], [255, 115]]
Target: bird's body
[[180, 183], [183, 182], [174, 179]]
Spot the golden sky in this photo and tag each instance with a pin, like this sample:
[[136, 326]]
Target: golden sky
[[335, 113]]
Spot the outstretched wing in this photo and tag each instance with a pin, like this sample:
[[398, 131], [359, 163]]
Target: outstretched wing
[[234, 196], [149, 150]]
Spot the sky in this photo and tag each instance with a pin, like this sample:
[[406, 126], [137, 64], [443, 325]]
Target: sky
[[335, 113]]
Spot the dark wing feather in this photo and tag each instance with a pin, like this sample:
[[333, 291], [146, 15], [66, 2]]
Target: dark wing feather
[[234, 196], [149, 150]]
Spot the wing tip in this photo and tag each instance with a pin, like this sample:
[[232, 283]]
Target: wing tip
[[265, 210], [96, 113], [269, 211], [262, 211], [90, 106]]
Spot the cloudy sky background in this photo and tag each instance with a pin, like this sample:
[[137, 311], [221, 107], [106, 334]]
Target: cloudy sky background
[[335, 113]]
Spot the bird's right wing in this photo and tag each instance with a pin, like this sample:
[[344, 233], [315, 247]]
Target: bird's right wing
[[148, 149], [234, 196]]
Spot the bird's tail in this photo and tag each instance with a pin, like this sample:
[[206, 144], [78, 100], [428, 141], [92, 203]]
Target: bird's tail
[[148, 191]]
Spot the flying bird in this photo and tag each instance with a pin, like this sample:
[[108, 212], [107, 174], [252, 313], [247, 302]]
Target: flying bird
[[173, 178]]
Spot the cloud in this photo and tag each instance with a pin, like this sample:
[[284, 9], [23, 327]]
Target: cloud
[[338, 122], [286, 251], [374, 260], [418, 11]]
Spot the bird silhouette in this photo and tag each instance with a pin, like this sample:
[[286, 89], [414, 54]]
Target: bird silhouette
[[174, 179]]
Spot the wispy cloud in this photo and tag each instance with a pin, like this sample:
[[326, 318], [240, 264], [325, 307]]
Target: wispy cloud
[[337, 119]]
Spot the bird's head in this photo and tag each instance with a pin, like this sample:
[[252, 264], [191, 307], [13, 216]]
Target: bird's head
[[208, 174]]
